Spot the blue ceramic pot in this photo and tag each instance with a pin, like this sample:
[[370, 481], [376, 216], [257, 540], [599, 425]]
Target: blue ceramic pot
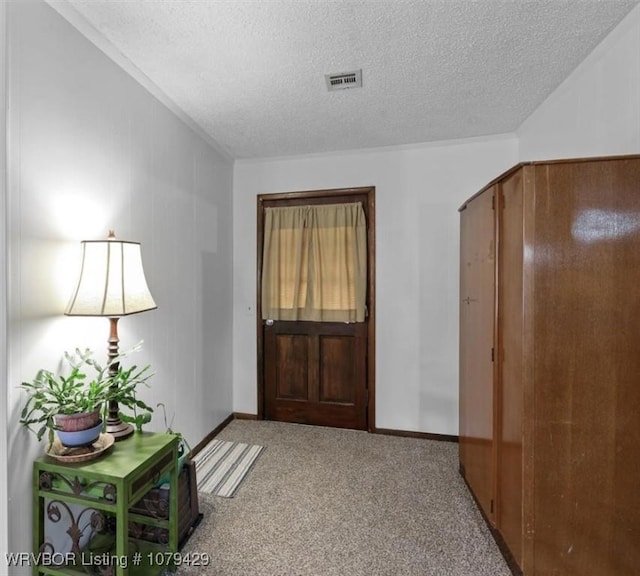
[[80, 437]]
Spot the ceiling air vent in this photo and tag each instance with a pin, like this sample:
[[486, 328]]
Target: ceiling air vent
[[344, 80]]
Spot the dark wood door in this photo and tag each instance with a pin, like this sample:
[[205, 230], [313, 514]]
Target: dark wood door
[[319, 373], [477, 309], [315, 373]]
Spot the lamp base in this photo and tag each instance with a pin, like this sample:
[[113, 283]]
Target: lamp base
[[119, 430]]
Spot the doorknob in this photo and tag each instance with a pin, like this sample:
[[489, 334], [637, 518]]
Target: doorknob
[[269, 322]]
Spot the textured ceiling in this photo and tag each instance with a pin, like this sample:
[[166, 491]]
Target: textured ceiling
[[250, 73]]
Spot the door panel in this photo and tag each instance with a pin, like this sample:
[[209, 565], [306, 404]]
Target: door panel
[[510, 327], [320, 373], [477, 306], [337, 369], [586, 385], [293, 363]]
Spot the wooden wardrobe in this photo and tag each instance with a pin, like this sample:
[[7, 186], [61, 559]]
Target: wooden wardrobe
[[550, 364]]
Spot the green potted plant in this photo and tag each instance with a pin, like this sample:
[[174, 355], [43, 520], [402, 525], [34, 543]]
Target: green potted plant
[[75, 402]]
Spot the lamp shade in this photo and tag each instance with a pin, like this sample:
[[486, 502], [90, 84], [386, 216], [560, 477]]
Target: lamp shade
[[111, 282]]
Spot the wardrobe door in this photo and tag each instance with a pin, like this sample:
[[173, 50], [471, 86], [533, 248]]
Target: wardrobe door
[[477, 294], [510, 344], [587, 368]]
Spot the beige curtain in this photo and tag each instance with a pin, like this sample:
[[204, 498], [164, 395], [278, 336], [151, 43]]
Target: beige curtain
[[314, 263]]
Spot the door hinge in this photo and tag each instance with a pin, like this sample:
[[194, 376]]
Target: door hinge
[[493, 355], [492, 506], [493, 202]]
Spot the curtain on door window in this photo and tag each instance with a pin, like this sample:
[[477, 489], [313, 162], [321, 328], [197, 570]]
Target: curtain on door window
[[314, 263]]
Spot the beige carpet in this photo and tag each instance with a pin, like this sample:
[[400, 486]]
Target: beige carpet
[[329, 502]]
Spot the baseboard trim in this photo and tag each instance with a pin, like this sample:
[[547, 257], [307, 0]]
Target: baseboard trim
[[411, 434], [244, 416], [219, 428]]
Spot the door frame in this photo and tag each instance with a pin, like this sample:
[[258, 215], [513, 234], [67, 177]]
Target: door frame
[[367, 194]]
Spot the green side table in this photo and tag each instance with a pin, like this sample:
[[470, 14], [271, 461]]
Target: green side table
[[94, 498]]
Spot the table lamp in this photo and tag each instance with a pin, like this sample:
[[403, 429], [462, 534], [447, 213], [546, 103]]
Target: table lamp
[[111, 284]]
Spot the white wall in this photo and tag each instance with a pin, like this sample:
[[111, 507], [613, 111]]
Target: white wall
[[4, 536], [596, 110], [90, 149], [418, 192]]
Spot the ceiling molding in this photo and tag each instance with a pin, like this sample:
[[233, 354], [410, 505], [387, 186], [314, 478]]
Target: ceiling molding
[[386, 149]]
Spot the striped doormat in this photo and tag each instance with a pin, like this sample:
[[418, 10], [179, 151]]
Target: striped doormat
[[221, 466]]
